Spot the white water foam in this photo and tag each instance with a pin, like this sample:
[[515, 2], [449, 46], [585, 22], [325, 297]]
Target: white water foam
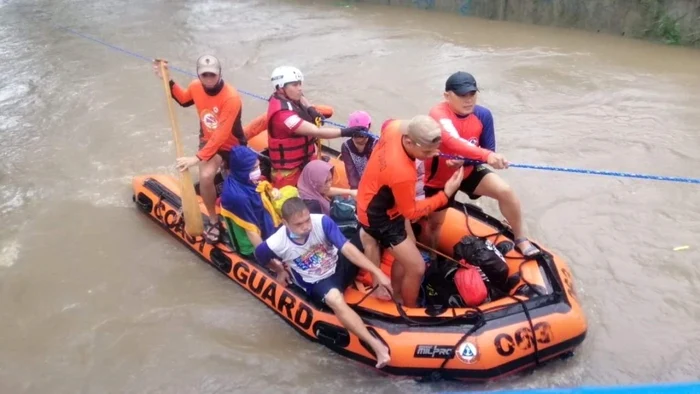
[[9, 254]]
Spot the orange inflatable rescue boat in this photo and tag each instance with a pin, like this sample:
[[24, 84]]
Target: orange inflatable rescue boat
[[538, 320]]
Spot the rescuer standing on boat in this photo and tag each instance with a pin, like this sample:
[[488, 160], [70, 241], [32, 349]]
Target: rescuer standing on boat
[[219, 108]]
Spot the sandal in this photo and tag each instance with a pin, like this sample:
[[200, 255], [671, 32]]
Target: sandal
[[213, 234], [530, 251]]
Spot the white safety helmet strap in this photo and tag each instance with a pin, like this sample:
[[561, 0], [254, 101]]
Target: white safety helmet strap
[[284, 75]]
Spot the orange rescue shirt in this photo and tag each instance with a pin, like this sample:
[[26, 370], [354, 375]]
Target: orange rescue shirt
[[387, 188], [219, 116]]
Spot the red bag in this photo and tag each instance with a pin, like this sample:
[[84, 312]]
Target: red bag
[[470, 286]]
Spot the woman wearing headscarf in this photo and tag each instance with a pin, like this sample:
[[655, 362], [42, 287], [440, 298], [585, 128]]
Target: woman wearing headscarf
[[355, 151], [246, 202], [315, 187]]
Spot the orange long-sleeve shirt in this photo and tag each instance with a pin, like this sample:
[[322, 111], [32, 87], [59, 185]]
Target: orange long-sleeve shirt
[[219, 116], [388, 186]]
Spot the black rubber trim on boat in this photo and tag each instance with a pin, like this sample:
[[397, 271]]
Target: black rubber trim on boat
[[143, 202], [163, 193], [505, 246], [220, 260], [331, 335]]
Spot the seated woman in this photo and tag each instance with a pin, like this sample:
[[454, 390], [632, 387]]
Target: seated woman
[[355, 151], [245, 203], [315, 187]]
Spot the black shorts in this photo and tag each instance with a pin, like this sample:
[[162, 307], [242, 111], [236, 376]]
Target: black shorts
[[388, 233], [345, 273], [468, 185], [224, 154]]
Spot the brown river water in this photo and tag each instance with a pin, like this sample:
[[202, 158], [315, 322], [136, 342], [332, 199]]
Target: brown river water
[[95, 298]]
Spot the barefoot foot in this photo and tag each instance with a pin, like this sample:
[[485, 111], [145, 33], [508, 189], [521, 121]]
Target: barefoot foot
[[382, 353]]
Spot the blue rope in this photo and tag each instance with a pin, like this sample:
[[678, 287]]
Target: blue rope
[[583, 171], [527, 166], [150, 60]]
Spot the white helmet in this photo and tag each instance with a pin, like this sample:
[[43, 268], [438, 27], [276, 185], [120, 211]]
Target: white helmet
[[284, 75]]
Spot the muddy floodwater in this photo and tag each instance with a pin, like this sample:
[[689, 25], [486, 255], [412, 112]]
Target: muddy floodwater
[[95, 298]]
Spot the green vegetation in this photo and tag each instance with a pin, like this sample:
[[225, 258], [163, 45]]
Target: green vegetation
[[661, 25]]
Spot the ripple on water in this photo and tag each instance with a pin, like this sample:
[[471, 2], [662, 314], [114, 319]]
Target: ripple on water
[[13, 97], [13, 91], [13, 197], [9, 253]]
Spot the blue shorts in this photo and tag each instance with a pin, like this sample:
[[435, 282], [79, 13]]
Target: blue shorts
[[345, 273]]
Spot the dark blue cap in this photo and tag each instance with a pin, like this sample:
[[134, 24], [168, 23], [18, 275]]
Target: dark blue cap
[[461, 83]]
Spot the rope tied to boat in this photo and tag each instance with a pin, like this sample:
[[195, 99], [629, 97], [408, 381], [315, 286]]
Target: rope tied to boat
[[533, 337], [468, 314]]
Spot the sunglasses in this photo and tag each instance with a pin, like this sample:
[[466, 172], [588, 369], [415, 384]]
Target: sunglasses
[[208, 75]]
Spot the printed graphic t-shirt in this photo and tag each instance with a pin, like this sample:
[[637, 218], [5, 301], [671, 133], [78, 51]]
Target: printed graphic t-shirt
[[311, 261]]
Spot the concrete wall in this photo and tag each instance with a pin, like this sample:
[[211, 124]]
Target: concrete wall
[[670, 21]]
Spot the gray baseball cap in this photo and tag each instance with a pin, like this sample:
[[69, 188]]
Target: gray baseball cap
[[208, 64]]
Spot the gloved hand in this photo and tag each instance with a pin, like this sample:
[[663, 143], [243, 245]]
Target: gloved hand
[[319, 119], [351, 131]]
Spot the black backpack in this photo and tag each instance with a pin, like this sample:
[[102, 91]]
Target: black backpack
[[483, 254], [439, 287], [343, 212]]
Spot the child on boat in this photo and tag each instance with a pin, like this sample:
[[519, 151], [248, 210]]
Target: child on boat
[[356, 151], [323, 263]]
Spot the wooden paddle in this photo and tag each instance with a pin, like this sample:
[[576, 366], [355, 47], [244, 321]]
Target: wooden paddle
[[461, 264], [194, 225], [429, 249], [319, 146]]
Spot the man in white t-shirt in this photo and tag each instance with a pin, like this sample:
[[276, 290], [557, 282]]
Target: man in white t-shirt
[[309, 245]]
